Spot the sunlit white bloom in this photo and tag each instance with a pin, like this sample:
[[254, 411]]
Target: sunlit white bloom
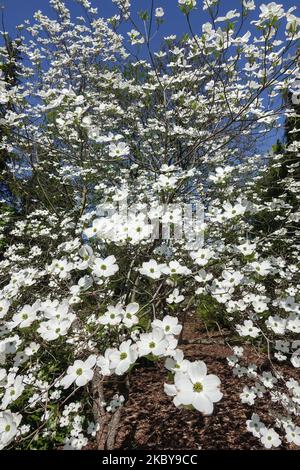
[[135, 37], [271, 10], [293, 323], [229, 16], [121, 359], [118, 150], [248, 329], [9, 423], [262, 268], [4, 306], [113, 315], [159, 12], [277, 324], [175, 267], [32, 349], [152, 269], [177, 362], [270, 438], [220, 174], [249, 4], [295, 359], [26, 316], [169, 325], [154, 343], [175, 297], [103, 363], [13, 391], [234, 278], [61, 268], [106, 267], [293, 434], [130, 318], [187, 3], [255, 425], [246, 248], [81, 372], [195, 388], [202, 256], [248, 396], [54, 328]]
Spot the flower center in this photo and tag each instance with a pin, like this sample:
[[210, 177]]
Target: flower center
[[79, 371], [152, 345], [123, 356], [198, 387], [7, 428]]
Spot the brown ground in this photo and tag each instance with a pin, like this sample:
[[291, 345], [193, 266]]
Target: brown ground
[[150, 420]]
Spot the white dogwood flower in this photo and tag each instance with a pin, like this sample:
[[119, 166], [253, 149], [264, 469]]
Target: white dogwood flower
[[9, 423], [159, 12], [118, 150], [121, 359], [248, 329], [81, 372], [105, 267], [270, 438], [152, 269], [177, 362], [113, 315], [168, 324], [130, 318], [152, 343], [195, 388]]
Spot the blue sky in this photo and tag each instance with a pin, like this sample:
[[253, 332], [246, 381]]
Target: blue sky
[[16, 11]]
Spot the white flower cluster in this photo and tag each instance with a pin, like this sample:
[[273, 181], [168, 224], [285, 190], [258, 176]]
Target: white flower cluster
[[103, 153]]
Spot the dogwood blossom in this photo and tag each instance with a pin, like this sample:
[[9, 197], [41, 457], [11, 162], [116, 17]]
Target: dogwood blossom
[[248, 329], [152, 269], [9, 423], [195, 388], [81, 372], [105, 267], [169, 325], [270, 438], [113, 315], [154, 343], [121, 359]]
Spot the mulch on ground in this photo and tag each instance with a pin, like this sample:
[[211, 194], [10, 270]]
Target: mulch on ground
[[150, 421]]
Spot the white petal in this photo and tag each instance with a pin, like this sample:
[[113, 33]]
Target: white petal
[[170, 390], [91, 361], [213, 395], [67, 381], [182, 382], [203, 404], [132, 308], [186, 397], [197, 370], [211, 381]]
